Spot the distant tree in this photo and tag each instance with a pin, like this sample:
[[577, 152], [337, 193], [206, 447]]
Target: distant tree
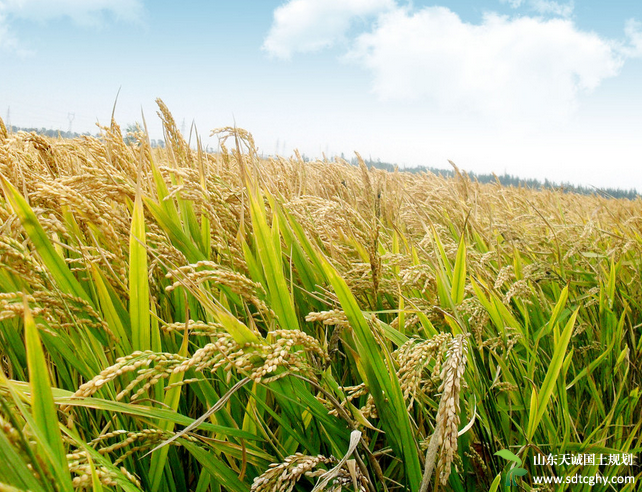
[[509, 180], [130, 133], [49, 132]]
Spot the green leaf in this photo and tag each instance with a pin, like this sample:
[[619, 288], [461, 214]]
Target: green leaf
[[442, 252], [268, 246], [459, 273], [109, 310], [557, 311], [179, 239], [95, 480], [216, 468], [45, 415], [554, 368], [382, 383], [54, 263], [66, 398], [172, 398], [510, 456], [162, 192], [495, 485], [138, 281], [488, 304], [15, 471]]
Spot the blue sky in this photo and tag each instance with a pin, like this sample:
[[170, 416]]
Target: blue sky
[[536, 88]]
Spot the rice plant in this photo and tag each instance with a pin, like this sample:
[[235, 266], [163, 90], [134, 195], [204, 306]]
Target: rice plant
[[172, 319]]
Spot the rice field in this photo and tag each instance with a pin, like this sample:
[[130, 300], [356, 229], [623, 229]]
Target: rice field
[[176, 320]]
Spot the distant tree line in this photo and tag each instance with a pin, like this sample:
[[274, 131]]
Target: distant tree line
[[504, 179], [509, 180], [48, 132]]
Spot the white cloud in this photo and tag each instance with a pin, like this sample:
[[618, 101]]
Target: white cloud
[[88, 13], [84, 12], [544, 7], [311, 25], [506, 68], [553, 8], [633, 31], [7, 41], [513, 3]]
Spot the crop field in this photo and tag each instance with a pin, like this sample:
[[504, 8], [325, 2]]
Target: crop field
[[172, 320]]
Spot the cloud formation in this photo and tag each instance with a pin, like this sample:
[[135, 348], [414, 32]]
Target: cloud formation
[[83, 12], [553, 8], [504, 67], [544, 7], [311, 25], [87, 13], [520, 66], [7, 41], [633, 31]]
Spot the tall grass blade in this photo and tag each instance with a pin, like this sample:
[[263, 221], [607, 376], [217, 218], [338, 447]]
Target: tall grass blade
[[459, 273], [138, 282], [382, 383], [548, 386], [54, 263], [45, 415], [268, 245]]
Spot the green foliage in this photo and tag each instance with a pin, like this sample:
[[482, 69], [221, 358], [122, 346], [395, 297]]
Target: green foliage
[[175, 320]]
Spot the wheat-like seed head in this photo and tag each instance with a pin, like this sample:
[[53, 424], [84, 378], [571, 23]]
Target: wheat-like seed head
[[448, 414]]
